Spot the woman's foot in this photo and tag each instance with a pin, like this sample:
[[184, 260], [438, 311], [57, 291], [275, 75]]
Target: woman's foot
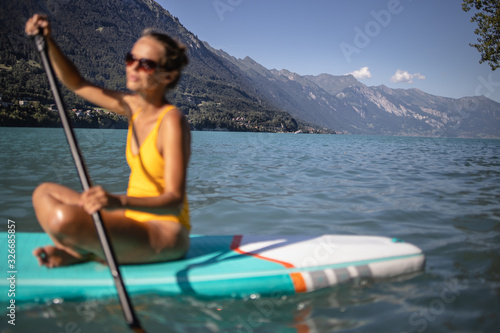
[[52, 256]]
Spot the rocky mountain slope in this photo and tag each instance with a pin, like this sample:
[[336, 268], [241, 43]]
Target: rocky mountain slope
[[348, 106]]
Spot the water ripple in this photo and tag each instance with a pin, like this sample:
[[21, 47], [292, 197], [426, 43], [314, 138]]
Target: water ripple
[[440, 194]]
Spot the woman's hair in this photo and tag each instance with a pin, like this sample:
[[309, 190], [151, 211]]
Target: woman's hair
[[175, 53]]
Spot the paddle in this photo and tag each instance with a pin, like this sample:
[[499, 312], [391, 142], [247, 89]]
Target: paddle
[[127, 308]]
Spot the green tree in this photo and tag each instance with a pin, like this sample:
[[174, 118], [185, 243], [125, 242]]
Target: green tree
[[488, 29]]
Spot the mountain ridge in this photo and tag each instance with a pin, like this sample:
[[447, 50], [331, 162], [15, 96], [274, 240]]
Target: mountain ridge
[[95, 34], [219, 91], [349, 106]]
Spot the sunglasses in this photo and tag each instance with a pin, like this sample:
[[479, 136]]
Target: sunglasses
[[146, 65]]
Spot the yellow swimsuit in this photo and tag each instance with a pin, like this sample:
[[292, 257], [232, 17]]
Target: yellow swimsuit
[[147, 174]]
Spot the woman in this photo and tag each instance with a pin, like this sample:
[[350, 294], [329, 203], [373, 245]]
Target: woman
[[151, 222]]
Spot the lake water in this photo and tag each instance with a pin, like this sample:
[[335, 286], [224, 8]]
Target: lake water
[[442, 195]]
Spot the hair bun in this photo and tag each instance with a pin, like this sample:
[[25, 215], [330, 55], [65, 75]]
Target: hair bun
[[175, 52]]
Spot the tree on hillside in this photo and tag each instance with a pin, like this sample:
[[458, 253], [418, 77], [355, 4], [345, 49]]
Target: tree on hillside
[[488, 29]]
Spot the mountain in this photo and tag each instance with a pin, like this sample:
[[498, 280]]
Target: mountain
[[96, 34], [348, 106], [414, 112], [219, 91]]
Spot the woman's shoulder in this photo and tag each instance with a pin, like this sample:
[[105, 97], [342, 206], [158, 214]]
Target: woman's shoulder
[[173, 117], [173, 126], [172, 112]]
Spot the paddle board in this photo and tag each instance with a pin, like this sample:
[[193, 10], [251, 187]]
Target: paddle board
[[227, 266]]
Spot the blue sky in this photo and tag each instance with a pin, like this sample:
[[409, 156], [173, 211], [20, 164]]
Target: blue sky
[[420, 44]]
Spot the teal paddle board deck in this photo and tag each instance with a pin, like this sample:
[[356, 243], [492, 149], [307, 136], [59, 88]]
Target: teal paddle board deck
[[227, 266]]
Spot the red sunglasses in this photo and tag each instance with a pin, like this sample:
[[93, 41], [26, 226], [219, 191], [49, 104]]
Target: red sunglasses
[[146, 65]]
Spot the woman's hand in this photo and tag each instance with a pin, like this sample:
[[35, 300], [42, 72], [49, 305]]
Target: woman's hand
[[36, 23], [96, 198]]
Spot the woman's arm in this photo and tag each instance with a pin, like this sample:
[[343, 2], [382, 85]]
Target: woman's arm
[[69, 74]]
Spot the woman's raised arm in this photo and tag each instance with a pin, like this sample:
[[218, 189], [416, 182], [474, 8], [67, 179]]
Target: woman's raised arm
[[70, 76]]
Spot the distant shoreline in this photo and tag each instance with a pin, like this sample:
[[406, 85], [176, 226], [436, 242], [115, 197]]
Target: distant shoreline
[[46, 117], [126, 127]]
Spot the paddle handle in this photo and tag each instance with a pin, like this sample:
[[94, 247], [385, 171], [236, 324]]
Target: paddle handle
[[128, 310]]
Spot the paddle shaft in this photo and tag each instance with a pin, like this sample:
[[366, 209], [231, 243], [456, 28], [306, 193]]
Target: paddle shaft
[[128, 310]]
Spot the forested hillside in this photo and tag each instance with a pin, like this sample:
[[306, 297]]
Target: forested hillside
[[96, 34]]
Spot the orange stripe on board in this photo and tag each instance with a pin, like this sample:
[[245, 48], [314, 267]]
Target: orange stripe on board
[[298, 282], [299, 285]]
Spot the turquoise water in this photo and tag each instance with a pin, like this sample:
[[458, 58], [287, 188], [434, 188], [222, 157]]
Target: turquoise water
[[442, 195]]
